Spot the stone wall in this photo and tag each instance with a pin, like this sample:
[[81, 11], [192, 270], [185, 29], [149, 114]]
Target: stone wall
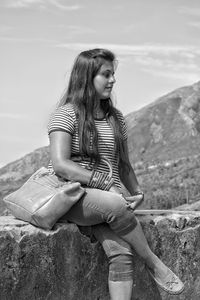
[[62, 264]]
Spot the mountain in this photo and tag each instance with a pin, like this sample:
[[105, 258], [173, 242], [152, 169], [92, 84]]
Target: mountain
[[164, 144], [13, 175], [168, 128]]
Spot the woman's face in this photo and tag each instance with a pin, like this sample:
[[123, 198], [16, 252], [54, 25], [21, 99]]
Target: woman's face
[[104, 80]]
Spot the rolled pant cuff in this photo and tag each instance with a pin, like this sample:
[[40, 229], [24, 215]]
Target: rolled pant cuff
[[120, 276], [123, 231]]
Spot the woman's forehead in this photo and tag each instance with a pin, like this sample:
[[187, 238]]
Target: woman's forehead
[[107, 65]]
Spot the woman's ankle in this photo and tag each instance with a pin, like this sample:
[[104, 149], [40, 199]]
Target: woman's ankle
[[153, 262], [157, 266]]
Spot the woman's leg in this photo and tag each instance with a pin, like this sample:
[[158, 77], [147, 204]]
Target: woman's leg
[[163, 276], [119, 253], [120, 290], [138, 241], [100, 206]]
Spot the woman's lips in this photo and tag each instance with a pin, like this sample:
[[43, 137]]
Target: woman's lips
[[109, 88]]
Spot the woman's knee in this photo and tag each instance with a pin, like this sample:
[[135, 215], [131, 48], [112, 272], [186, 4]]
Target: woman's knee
[[121, 218], [117, 213], [121, 266]]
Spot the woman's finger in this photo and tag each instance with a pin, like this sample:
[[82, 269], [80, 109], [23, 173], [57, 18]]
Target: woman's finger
[[134, 201]]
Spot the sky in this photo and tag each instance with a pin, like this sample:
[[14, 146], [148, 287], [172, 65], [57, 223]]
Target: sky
[[156, 42]]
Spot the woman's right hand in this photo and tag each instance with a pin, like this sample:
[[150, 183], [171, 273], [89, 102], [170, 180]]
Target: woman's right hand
[[135, 201]]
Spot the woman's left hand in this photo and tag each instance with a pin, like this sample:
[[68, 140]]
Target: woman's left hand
[[135, 201]]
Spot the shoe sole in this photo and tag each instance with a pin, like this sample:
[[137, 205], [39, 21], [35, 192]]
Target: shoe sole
[[163, 288]]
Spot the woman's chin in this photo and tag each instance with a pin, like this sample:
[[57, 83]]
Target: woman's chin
[[106, 96]]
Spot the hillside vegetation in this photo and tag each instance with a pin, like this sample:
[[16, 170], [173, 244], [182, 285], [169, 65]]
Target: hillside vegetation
[[164, 148], [170, 184]]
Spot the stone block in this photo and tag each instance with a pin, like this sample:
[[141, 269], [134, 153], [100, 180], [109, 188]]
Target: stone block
[[62, 264]]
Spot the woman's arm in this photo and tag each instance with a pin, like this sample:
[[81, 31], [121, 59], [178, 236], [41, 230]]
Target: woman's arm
[[130, 181], [60, 153]]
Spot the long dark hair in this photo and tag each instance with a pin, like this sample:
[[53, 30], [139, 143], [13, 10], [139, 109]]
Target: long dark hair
[[82, 94]]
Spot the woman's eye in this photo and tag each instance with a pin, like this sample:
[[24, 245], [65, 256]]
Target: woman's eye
[[107, 74]]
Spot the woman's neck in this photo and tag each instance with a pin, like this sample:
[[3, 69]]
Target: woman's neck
[[98, 111]]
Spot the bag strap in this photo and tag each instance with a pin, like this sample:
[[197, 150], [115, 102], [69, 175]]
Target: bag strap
[[107, 162]]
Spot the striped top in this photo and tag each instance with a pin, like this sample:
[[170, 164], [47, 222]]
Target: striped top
[[64, 119]]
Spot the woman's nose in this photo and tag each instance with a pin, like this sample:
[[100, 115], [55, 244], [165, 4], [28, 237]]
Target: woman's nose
[[112, 79]]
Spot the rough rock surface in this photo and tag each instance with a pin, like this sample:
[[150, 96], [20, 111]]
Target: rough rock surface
[[62, 264], [168, 128]]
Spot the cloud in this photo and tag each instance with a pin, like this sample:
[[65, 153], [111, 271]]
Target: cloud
[[42, 4], [194, 24], [184, 76], [23, 3], [12, 39], [60, 4], [14, 116], [192, 11], [173, 61], [80, 29], [168, 63], [173, 71], [5, 28], [143, 49], [73, 29]]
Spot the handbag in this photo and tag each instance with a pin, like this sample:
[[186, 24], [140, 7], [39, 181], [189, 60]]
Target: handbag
[[43, 198]]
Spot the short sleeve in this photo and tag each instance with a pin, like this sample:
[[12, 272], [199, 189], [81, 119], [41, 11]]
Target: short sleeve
[[123, 125], [63, 119]]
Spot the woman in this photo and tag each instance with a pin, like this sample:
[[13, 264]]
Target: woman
[[86, 133]]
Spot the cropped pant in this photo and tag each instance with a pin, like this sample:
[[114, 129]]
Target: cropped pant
[[110, 217]]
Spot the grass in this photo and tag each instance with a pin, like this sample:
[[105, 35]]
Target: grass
[[170, 184]]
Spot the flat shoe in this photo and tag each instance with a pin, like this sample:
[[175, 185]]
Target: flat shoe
[[173, 285]]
